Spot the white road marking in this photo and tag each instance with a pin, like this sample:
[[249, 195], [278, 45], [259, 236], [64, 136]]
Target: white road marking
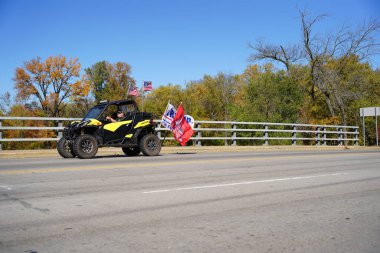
[[6, 187], [242, 183]]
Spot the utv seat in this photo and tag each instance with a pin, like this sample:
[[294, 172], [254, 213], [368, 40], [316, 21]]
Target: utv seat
[[129, 116]]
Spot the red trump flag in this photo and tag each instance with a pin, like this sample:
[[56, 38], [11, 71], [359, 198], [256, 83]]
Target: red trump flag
[[182, 131]]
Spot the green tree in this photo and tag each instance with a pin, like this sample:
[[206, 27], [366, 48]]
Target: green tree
[[325, 78], [110, 81], [98, 76], [269, 96], [195, 100], [212, 97], [157, 100]]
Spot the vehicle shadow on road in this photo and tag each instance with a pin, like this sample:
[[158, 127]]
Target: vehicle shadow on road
[[183, 153], [114, 156], [141, 155], [119, 156]]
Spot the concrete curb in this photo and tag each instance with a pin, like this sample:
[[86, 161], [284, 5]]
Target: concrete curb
[[9, 154]]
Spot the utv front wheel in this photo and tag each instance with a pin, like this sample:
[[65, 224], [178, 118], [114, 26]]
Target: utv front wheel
[[64, 148], [134, 151], [85, 146], [150, 145]]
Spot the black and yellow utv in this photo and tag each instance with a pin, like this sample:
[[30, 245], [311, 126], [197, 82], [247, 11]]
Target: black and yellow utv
[[134, 132]]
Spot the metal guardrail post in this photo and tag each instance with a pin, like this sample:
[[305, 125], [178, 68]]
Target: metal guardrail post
[[356, 136], [233, 135], [324, 136], [340, 136], [266, 136], [1, 135], [294, 136], [318, 136], [158, 131], [60, 134], [199, 135]]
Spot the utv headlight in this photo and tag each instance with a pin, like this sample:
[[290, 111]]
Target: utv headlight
[[83, 123]]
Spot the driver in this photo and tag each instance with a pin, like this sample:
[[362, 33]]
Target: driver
[[120, 116]]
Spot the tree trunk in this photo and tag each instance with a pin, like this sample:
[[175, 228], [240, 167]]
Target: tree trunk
[[329, 103], [342, 111]]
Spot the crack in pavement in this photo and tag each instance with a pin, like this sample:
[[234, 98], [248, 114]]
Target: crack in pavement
[[26, 204]]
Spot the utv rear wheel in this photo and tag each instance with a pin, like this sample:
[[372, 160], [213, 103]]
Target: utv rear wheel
[[85, 146], [64, 148], [134, 151], [150, 145]]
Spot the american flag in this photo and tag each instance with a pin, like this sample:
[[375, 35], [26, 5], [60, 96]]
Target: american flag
[[147, 86], [133, 91]]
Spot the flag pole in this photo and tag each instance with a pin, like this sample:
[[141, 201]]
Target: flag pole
[[129, 86], [142, 98], [166, 131]]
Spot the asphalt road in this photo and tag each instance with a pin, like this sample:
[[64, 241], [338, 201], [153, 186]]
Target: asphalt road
[[279, 201]]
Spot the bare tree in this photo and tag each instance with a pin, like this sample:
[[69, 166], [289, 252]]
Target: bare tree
[[318, 50], [5, 102], [339, 46], [287, 55]]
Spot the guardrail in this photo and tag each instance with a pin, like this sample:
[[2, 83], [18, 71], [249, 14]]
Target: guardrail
[[233, 132]]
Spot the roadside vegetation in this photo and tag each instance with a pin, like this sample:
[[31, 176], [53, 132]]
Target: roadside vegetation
[[324, 79]]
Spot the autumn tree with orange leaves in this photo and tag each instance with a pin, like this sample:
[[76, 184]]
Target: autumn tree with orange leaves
[[50, 82]]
